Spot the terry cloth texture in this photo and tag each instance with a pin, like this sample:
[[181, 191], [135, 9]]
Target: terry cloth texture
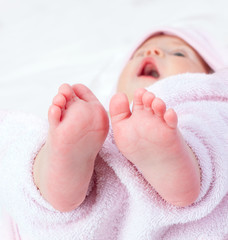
[[121, 204]]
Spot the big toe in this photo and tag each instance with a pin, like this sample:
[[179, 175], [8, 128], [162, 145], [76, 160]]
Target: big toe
[[66, 90], [84, 93], [119, 107]]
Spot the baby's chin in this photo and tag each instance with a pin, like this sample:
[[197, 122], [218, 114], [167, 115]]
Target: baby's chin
[[134, 85], [145, 81]]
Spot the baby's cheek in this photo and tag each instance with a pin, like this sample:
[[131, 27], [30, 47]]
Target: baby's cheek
[[183, 66]]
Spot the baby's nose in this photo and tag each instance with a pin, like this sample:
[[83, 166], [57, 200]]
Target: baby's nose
[[155, 51]]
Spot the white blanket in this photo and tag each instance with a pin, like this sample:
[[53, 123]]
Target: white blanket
[[121, 204]]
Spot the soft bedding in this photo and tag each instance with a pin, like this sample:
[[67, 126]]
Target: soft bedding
[[120, 204], [45, 43]]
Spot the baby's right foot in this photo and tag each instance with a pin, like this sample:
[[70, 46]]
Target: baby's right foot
[[78, 128]]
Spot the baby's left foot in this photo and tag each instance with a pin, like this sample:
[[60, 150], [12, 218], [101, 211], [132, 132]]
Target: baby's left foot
[[149, 138]]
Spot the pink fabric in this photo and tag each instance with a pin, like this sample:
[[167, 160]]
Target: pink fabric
[[121, 204], [8, 229], [214, 54]]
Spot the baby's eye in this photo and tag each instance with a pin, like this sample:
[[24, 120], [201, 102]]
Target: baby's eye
[[179, 54]]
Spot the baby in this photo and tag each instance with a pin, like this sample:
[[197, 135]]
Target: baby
[[157, 171], [148, 136]]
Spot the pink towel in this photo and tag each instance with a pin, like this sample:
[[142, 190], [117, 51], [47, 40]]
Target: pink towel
[[121, 205], [214, 54]]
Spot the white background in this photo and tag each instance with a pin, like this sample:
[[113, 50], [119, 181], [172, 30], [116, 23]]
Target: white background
[[44, 43]]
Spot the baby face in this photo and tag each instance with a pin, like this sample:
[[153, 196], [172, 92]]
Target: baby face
[[159, 57]]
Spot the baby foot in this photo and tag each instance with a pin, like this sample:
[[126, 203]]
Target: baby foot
[[78, 126], [150, 139]]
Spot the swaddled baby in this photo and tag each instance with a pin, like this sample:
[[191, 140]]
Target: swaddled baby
[[161, 170]]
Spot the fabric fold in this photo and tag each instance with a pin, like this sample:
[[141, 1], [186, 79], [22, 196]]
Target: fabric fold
[[121, 204]]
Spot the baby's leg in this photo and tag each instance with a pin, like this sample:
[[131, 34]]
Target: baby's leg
[[78, 126], [150, 139]]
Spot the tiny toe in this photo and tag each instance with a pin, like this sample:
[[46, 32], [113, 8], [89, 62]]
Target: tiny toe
[[147, 100], [54, 115], [170, 117], [59, 100], [84, 93], [158, 107], [67, 91], [119, 107], [137, 100]]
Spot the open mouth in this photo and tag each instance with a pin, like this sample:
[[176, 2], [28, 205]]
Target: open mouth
[[148, 69]]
